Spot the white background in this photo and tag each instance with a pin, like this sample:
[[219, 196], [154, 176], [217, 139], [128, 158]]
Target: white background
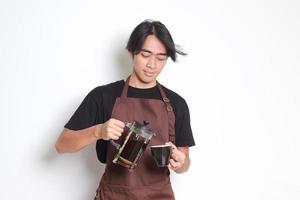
[[240, 80]]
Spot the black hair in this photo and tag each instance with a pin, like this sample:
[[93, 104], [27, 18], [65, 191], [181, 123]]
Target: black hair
[[150, 27]]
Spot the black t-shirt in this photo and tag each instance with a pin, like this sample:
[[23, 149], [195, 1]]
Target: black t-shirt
[[98, 104]]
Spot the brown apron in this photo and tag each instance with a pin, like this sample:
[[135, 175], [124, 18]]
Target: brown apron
[[146, 181]]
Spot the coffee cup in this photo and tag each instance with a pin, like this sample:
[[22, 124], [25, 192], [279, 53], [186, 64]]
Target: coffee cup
[[161, 154]]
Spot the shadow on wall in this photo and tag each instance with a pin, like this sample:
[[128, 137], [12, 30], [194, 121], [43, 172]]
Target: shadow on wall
[[94, 169], [86, 158], [121, 58]]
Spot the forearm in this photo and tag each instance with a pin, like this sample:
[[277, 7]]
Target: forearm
[[72, 141]]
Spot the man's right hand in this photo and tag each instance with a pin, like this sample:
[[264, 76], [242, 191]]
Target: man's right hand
[[111, 129]]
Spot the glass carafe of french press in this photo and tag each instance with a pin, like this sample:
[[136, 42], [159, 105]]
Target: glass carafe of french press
[[136, 140]]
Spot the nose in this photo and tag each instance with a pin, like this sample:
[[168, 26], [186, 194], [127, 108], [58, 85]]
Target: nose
[[151, 62]]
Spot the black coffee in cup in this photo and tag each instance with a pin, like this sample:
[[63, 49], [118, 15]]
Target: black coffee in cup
[[161, 154]]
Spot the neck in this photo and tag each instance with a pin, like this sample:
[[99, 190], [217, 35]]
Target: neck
[[135, 81]]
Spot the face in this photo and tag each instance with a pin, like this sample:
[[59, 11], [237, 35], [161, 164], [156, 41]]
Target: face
[[148, 63]]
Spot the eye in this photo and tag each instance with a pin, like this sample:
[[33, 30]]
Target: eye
[[145, 54], [161, 57]]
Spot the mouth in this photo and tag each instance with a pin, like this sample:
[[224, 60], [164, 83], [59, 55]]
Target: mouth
[[148, 74]]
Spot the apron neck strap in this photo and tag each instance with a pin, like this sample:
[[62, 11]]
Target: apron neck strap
[[125, 88], [170, 112]]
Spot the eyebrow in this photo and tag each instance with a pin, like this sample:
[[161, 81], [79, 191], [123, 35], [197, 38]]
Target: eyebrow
[[146, 50]]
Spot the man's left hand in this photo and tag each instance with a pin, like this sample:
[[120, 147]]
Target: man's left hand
[[177, 159]]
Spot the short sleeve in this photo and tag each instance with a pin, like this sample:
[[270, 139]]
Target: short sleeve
[[184, 135], [88, 112]]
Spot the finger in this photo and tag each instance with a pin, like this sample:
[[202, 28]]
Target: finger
[[118, 123], [175, 157], [113, 132], [176, 164], [113, 137], [170, 166], [172, 145], [169, 143], [114, 128], [173, 164], [174, 152], [118, 129]]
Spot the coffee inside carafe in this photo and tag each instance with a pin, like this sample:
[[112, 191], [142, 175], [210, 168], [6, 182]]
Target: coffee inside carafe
[[132, 150]]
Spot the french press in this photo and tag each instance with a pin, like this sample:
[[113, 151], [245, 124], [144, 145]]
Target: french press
[[137, 137]]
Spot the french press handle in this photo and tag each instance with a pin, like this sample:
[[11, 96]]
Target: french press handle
[[115, 144]]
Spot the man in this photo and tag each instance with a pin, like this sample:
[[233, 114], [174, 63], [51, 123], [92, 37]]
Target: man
[[102, 114]]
